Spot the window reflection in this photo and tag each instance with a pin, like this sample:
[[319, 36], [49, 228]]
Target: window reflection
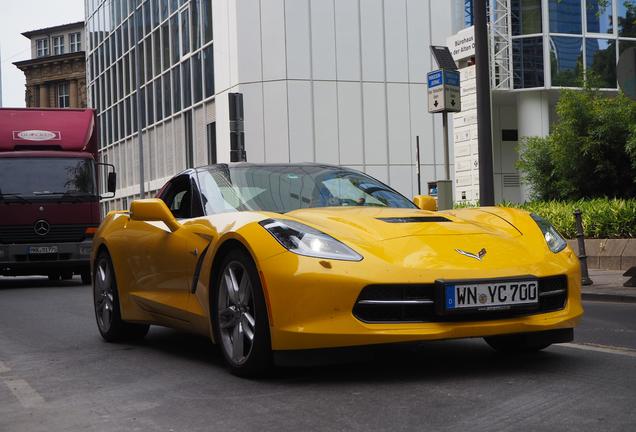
[[565, 16], [566, 60], [527, 56], [526, 17], [626, 17], [599, 17], [601, 62]]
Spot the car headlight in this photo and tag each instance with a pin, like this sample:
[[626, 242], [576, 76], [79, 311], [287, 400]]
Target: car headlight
[[304, 240], [555, 242]]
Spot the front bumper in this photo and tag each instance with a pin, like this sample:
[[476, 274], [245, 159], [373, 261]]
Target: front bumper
[[311, 303], [15, 259]]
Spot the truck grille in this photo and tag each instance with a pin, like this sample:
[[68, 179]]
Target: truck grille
[[21, 234], [417, 303]]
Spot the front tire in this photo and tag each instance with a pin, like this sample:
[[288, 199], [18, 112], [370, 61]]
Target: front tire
[[106, 302], [240, 322]]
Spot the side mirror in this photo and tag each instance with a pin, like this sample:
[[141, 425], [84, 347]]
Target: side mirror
[[425, 202], [153, 209], [111, 184]]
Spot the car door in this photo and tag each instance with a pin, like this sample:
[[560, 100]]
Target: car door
[[166, 260]]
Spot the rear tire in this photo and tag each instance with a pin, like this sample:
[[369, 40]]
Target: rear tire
[[107, 308], [239, 316]]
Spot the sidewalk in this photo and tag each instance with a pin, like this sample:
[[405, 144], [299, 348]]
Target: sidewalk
[[608, 286]]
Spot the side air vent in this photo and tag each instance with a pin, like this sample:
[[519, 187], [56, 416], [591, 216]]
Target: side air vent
[[416, 219]]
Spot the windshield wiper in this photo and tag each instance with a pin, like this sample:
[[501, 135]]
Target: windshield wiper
[[14, 195]]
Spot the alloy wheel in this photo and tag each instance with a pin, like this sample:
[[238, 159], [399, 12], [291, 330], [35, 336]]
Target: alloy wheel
[[104, 300]]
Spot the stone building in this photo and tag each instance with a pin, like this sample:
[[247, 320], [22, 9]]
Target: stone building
[[56, 72]]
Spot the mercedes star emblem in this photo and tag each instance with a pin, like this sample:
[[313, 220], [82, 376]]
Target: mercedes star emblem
[[41, 227]]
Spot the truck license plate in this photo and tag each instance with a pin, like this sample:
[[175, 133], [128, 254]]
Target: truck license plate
[[42, 249], [489, 296]]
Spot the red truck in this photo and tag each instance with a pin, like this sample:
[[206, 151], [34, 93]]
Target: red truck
[[49, 200]]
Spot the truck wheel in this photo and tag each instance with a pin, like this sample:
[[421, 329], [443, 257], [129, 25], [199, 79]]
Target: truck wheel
[[67, 275], [106, 301], [240, 322], [54, 276]]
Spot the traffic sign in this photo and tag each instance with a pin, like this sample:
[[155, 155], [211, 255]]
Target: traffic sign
[[443, 91]]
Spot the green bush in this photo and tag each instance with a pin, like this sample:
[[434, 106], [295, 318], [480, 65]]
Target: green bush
[[602, 218], [590, 152]]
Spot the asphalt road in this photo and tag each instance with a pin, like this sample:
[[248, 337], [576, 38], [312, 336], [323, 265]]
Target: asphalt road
[[56, 374]]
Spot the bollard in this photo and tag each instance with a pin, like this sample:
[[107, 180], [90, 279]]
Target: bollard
[[585, 277]]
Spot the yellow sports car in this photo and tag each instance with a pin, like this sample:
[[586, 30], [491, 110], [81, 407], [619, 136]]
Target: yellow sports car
[[274, 260]]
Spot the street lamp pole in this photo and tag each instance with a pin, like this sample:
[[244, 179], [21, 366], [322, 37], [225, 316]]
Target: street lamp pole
[[484, 133], [138, 59]]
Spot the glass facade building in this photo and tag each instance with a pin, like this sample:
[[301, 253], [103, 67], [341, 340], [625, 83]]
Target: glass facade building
[[175, 75], [556, 43]]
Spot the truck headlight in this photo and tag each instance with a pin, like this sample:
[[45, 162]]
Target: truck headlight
[[555, 242], [304, 240]]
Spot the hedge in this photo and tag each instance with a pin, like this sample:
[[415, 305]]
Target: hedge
[[602, 217]]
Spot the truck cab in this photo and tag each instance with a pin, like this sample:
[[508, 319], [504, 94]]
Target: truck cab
[[49, 191]]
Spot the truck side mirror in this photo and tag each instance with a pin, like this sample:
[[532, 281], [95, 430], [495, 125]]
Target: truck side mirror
[[111, 184], [425, 202]]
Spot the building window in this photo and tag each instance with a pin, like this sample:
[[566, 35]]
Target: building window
[[566, 61], [42, 47], [58, 45], [75, 42], [565, 16], [601, 62], [62, 95], [526, 17], [528, 62], [211, 138], [599, 17], [626, 11]]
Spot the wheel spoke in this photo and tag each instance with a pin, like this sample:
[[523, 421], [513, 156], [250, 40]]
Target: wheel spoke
[[245, 289], [237, 343], [248, 324], [229, 287], [106, 315]]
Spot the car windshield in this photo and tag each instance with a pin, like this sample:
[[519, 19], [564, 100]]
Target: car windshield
[[46, 177], [283, 188]]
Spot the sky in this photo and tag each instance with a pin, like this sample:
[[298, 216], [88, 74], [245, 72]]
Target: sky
[[18, 16]]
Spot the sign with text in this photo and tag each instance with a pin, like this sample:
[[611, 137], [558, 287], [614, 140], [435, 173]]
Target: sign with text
[[443, 91]]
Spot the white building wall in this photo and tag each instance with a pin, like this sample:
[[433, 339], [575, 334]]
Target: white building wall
[[334, 81]]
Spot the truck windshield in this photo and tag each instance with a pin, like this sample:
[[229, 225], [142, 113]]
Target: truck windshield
[[46, 177]]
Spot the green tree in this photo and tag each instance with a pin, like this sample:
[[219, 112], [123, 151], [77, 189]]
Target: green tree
[[591, 151]]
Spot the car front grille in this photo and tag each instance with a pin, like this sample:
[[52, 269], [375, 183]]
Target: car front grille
[[22, 234], [417, 303]]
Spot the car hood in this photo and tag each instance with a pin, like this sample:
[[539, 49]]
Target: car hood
[[379, 223]]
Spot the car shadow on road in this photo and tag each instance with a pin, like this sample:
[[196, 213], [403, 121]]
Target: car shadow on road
[[7, 282], [427, 361]]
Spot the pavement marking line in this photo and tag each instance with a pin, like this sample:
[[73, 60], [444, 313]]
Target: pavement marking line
[[602, 348], [4, 368], [27, 395]]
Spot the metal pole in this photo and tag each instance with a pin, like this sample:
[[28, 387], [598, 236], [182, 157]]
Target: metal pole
[[484, 132], [445, 132], [138, 59], [580, 236], [417, 157]]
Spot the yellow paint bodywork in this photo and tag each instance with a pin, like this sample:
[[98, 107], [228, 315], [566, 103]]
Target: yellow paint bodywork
[[310, 300]]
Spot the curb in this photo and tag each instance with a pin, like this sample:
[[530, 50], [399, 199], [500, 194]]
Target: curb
[[616, 298]]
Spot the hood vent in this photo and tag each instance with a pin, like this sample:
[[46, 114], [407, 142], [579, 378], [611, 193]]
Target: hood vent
[[416, 219]]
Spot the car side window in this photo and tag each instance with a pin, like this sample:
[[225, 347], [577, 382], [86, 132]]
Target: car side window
[[178, 197]]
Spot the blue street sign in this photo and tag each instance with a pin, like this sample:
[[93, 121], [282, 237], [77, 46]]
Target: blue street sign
[[435, 79], [451, 77]]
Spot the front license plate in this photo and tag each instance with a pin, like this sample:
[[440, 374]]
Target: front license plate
[[490, 296], [43, 249]]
